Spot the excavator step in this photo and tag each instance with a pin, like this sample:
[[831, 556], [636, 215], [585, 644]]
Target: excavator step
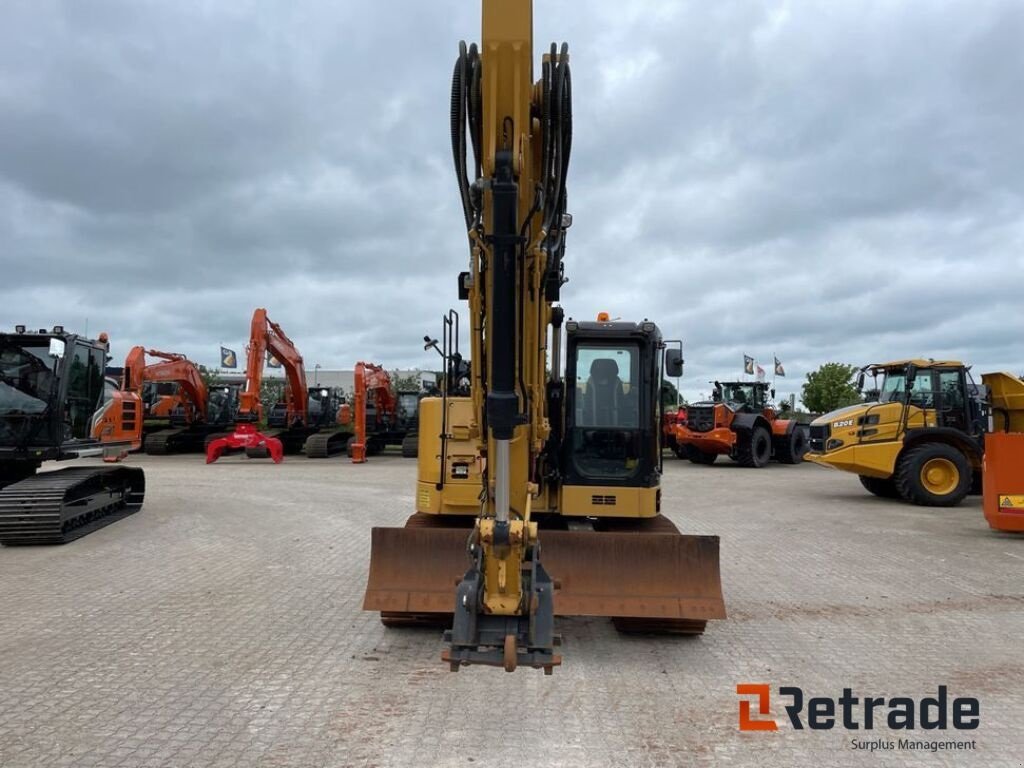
[[61, 506], [643, 574]]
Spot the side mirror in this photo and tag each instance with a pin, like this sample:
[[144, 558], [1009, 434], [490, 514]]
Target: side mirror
[[57, 348], [773, 393], [860, 381], [911, 375], [673, 363]]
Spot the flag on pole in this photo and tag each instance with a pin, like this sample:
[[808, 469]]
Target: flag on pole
[[748, 364], [272, 361], [760, 373], [228, 358], [779, 370]]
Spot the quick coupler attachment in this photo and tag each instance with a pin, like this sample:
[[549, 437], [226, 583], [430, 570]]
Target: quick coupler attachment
[[526, 640]]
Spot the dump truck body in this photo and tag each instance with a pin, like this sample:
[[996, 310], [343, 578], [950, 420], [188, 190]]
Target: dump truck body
[[1003, 485]]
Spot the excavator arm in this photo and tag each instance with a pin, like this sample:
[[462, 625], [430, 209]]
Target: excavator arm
[[266, 337], [181, 371], [371, 381], [520, 134]]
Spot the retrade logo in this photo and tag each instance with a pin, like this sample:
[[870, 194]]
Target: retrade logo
[[852, 713], [763, 694]]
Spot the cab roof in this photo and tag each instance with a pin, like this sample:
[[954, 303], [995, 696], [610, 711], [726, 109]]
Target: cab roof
[[918, 362]]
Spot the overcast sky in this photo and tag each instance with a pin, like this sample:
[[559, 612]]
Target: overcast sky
[[822, 181]]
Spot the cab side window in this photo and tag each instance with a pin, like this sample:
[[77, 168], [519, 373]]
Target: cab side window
[[85, 388], [921, 393]]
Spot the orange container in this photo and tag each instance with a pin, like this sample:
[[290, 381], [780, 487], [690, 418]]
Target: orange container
[[1004, 481]]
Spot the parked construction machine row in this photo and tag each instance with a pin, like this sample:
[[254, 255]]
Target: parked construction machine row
[[538, 492], [54, 406], [926, 433], [738, 422]]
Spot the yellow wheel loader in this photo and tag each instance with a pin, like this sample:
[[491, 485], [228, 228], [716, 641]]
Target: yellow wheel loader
[[537, 493], [920, 436]]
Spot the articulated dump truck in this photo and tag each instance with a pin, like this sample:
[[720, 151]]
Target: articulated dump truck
[[924, 431], [538, 494]]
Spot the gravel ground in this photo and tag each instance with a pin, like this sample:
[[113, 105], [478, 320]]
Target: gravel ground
[[221, 626]]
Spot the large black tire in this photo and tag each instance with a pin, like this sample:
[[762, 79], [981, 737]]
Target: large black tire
[[884, 488], [790, 449], [697, 456], [934, 475], [754, 449], [410, 446]]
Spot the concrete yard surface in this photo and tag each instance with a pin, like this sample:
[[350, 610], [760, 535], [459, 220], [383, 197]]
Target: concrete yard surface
[[221, 626]]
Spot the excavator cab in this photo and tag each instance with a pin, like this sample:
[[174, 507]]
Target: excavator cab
[[611, 404]]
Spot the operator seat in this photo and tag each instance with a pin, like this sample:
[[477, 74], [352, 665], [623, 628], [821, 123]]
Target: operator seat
[[604, 394]]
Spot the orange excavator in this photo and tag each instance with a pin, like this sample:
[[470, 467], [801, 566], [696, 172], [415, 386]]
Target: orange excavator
[[298, 426], [265, 337], [384, 415], [374, 397], [199, 413]]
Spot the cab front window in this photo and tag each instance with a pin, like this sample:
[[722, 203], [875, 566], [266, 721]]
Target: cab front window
[[606, 441]]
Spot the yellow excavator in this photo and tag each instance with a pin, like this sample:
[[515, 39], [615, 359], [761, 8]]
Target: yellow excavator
[[538, 494]]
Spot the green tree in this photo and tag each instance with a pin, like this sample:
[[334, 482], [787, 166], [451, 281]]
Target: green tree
[[410, 383], [209, 375], [830, 387], [271, 393]]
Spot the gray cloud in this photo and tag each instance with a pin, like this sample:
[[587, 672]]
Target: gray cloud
[[815, 180]]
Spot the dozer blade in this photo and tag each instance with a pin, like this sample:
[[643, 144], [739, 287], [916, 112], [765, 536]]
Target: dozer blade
[[663, 581]]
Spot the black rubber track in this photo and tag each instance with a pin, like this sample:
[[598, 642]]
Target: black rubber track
[[325, 444], [61, 506]]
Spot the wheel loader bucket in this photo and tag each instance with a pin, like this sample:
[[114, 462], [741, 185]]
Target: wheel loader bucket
[[414, 571]]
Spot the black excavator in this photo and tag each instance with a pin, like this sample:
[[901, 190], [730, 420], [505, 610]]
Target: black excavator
[[54, 407]]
